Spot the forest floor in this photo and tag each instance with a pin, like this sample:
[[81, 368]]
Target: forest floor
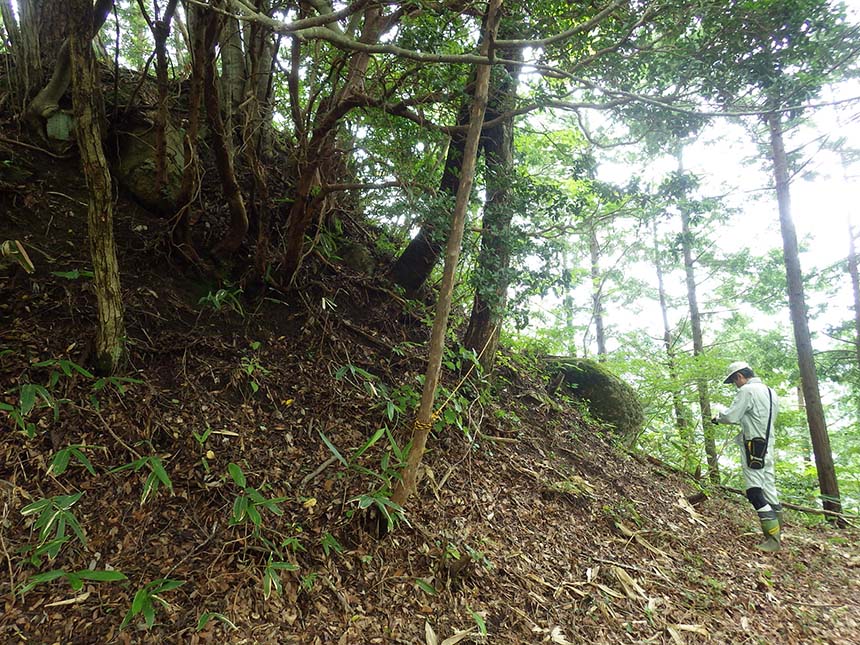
[[531, 526]]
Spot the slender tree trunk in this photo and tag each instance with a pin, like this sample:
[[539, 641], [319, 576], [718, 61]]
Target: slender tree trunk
[[567, 305], [807, 445], [321, 148], [597, 294], [88, 108], [681, 422], [493, 267], [23, 37], [698, 343], [855, 287], [160, 32], [190, 173], [222, 147], [797, 304], [416, 263], [424, 423]]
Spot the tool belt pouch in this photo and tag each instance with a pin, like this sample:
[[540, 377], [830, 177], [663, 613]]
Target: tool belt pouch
[[756, 450]]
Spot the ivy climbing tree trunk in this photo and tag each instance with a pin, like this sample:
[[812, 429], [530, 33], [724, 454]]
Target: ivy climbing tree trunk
[[827, 482], [424, 423], [88, 109]]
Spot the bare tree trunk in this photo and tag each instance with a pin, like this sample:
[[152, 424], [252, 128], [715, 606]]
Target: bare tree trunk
[[855, 287], [190, 173], [86, 99], [233, 72], [416, 262], [424, 423], [160, 32], [681, 422], [797, 304], [36, 37], [567, 305], [53, 22], [321, 148], [257, 132], [698, 342], [597, 293], [493, 267], [221, 143], [24, 42], [47, 100], [807, 445]]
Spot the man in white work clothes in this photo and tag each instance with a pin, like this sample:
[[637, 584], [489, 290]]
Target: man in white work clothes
[[755, 408]]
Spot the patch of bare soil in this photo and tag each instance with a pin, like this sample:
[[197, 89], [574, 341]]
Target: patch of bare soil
[[530, 527]]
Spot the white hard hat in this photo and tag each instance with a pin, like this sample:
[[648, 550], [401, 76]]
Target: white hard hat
[[737, 366]]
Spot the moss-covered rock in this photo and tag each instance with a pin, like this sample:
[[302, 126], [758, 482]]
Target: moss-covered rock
[[135, 167], [609, 399]]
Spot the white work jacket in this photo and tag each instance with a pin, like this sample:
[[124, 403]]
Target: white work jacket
[[750, 411]]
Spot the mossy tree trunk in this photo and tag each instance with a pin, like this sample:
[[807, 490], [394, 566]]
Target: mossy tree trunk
[[89, 112]]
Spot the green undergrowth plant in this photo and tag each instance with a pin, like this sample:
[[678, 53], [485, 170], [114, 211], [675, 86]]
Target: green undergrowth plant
[[145, 598], [156, 478], [247, 507], [35, 396], [272, 576], [53, 517], [31, 396], [252, 367], [206, 616], [249, 502], [379, 497], [75, 579], [224, 299], [62, 459]]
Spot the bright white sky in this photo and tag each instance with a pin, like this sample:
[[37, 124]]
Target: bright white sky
[[825, 196]]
